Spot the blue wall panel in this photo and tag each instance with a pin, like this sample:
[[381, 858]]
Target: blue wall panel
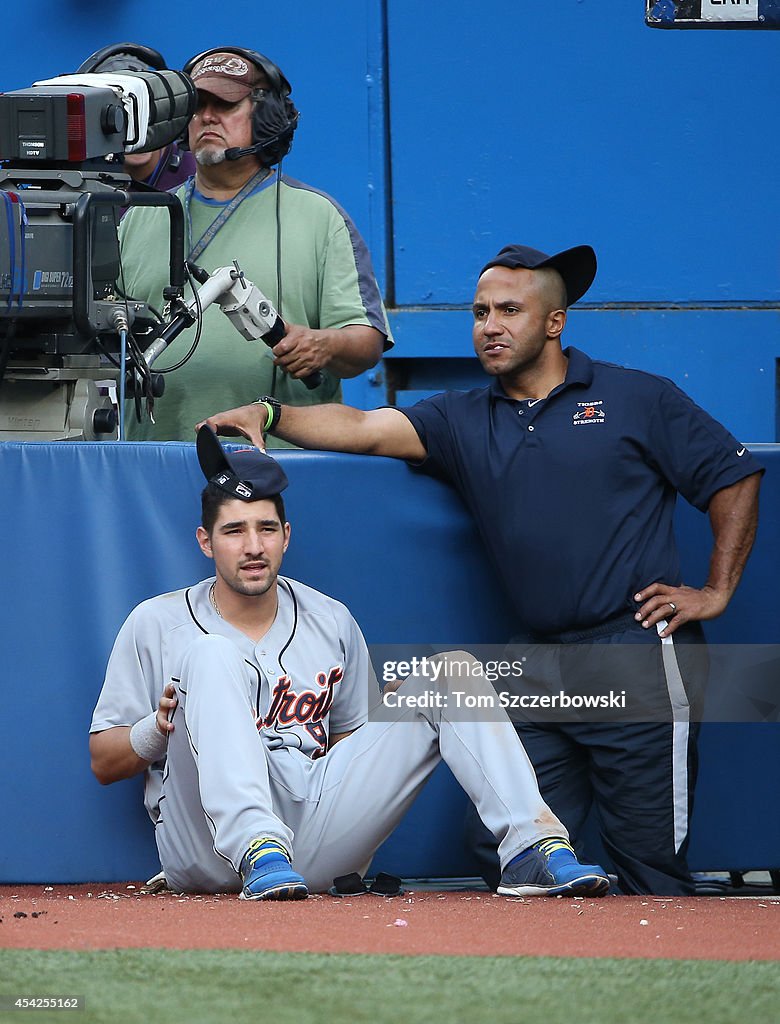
[[724, 359], [552, 125], [572, 122]]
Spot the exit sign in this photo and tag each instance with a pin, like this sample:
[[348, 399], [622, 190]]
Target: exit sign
[[713, 13]]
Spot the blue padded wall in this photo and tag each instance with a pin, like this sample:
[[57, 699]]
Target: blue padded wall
[[91, 529]]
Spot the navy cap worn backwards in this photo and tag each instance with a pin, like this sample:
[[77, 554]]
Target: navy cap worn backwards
[[576, 266], [248, 474]]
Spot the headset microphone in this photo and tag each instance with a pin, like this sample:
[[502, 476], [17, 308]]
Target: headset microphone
[[259, 148], [234, 153]]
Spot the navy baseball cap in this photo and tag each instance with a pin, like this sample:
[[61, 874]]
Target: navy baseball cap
[[576, 266], [248, 474]]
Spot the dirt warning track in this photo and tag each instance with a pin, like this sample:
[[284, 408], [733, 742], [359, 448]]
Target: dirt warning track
[[418, 922]]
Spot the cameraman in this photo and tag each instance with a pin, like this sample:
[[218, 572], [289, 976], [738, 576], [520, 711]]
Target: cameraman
[[296, 244]]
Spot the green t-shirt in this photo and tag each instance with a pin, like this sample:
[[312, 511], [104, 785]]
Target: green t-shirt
[[327, 282]]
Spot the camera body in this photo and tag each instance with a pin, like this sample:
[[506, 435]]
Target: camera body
[[43, 279], [62, 184]]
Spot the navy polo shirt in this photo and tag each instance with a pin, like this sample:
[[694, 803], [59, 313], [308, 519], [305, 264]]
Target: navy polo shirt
[[574, 494]]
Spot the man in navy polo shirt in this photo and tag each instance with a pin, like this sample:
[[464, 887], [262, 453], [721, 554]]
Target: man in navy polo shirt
[[571, 468]]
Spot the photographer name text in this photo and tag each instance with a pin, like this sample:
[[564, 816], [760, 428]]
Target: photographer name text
[[501, 699]]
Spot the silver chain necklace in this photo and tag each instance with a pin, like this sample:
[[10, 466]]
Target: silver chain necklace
[[213, 600]]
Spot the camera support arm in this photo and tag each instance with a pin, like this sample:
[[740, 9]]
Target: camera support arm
[[82, 242], [250, 312]]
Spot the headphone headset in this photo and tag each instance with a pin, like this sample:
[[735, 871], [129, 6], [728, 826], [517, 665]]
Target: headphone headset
[[274, 115], [147, 58]]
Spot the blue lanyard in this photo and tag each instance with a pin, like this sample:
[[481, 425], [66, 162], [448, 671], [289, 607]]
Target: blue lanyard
[[16, 283], [160, 166], [222, 217]]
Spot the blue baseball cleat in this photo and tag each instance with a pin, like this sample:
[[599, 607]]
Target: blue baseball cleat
[[550, 868], [267, 874]]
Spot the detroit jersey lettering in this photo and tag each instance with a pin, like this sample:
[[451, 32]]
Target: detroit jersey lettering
[[310, 674]]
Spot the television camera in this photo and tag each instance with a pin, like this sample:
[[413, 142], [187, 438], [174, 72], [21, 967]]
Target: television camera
[[63, 317], [66, 326]]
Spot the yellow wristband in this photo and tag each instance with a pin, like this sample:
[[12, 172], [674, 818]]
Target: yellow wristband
[[273, 411], [269, 416]]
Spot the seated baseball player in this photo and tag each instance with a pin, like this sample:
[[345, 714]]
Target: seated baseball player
[[272, 764]]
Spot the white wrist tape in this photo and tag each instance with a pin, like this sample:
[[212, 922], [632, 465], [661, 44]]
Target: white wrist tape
[[147, 740]]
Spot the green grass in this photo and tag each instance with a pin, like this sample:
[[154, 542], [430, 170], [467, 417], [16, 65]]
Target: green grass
[[205, 986]]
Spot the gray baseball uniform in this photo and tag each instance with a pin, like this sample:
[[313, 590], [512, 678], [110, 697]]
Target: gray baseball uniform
[[248, 756]]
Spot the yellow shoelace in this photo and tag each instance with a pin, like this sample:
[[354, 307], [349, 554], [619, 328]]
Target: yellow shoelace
[[549, 846], [260, 848]]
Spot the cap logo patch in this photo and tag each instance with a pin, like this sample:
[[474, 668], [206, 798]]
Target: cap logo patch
[[216, 65], [248, 474], [589, 412]]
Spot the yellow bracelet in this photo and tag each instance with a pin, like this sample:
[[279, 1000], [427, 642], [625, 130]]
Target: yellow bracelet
[[269, 416], [273, 411]]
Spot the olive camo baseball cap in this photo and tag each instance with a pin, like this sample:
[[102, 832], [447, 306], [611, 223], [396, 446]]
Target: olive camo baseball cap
[[248, 474], [576, 266]]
